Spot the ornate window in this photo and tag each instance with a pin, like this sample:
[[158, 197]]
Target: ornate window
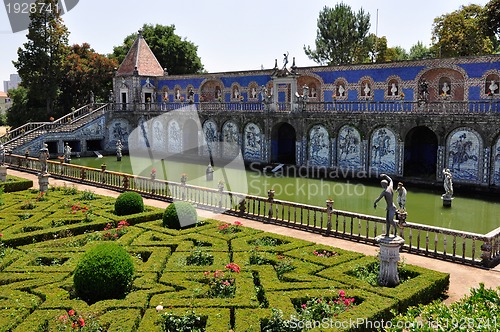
[[492, 85]]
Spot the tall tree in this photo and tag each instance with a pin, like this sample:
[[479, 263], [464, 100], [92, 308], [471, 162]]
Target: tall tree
[[86, 74], [492, 13], [40, 61], [340, 34], [178, 55], [460, 33]]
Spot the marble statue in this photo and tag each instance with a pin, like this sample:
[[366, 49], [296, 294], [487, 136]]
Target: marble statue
[[67, 153], [401, 190], [447, 183], [388, 195], [43, 157]]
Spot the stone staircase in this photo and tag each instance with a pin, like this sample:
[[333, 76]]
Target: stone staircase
[[15, 139]]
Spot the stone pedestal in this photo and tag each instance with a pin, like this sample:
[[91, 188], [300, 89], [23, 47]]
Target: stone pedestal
[[389, 257], [447, 201], [43, 182], [3, 173]]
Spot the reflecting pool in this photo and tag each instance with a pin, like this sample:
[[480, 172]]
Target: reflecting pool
[[466, 214]]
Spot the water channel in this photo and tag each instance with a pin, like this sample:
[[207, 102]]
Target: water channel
[[425, 207]]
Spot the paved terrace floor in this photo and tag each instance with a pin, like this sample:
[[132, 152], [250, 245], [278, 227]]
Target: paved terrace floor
[[462, 278]]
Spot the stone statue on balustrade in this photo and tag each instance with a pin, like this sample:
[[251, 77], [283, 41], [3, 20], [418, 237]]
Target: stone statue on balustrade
[[266, 98], [388, 195], [67, 153], [401, 190], [43, 157], [2, 154], [448, 184]]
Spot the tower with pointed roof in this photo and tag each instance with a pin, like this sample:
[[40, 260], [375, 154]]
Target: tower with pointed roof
[[136, 79]]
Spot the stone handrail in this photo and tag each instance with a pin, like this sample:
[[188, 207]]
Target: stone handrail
[[390, 106], [436, 242]]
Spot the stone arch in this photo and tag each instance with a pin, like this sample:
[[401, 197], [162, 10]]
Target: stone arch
[[394, 87], [230, 139], [495, 163], [253, 91], [118, 129], [190, 142], [340, 89], [314, 84], [178, 93], [252, 142], [349, 148], [318, 146], [158, 135], [366, 88], [174, 137], [420, 152], [211, 137], [456, 75], [211, 90], [236, 92], [491, 81], [283, 143], [464, 154], [384, 150]]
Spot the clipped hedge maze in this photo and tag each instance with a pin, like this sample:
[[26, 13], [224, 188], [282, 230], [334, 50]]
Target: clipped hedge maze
[[46, 240]]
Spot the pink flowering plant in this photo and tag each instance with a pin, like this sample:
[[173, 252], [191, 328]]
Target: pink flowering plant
[[324, 253], [113, 233], [230, 228], [221, 283], [74, 321], [319, 308]]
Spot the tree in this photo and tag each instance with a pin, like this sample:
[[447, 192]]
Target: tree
[[39, 63], [341, 33], [461, 33], [419, 51], [86, 73], [492, 16], [17, 114], [178, 55]]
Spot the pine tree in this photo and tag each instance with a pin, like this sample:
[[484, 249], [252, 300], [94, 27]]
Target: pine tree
[[40, 63]]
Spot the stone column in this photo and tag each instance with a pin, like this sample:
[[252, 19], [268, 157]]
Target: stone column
[[389, 257], [3, 173]]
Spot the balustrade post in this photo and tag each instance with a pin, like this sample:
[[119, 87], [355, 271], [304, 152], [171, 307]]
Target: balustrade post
[[329, 210], [126, 182], [221, 190], [83, 174], [486, 249], [270, 199], [242, 206]]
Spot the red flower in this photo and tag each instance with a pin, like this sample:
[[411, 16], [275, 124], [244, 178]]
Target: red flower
[[81, 322], [71, 312], [237, 223], [233, 267]]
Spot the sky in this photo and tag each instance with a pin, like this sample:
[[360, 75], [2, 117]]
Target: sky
[[233, 35]]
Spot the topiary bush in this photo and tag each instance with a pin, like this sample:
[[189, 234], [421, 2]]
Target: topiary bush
[[179, 214], [129, 202], [105, 271]]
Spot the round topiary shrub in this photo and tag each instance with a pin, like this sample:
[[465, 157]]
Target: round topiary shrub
[[104, 272], [129, 202], [179, 214]]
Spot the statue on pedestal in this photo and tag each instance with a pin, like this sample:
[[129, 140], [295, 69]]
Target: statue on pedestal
[[448, 184], [119, 147], [388, 194], [401, 197], [43, 157], [67, 153]]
